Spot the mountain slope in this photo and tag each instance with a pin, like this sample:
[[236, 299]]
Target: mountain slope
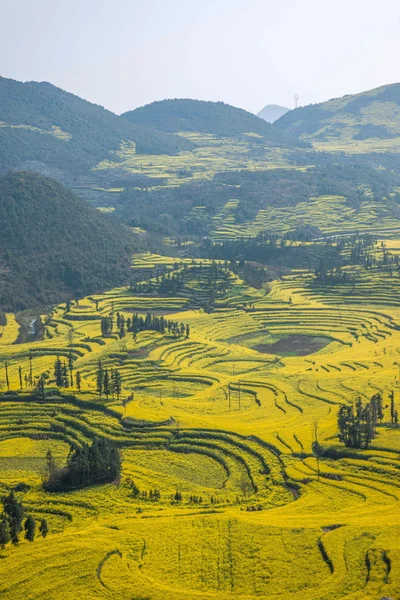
[[272, 112], [54, 245], [40, 122], [217, 118], [374, 114]]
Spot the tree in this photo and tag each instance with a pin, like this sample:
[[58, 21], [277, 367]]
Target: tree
[[43, 528], [100, 379], [106, 383], [71, 368], [78, 379], [14, 511], [58, 373], [392, 406], [5, 534], [7, 379], [357, 424], [30, 528], [51, 467], [40, 386], [116, 383]]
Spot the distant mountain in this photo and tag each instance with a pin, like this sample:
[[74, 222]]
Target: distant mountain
[[352, 119], [43, 124], [216, 118], [54, 245], [272, 112]]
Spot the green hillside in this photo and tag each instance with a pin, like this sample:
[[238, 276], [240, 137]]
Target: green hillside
[[40, 122], [369, 121], [218, 118], [54, 245]]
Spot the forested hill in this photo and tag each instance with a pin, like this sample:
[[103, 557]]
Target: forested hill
[[215, 118], [54, 245], [40, 122], [371, 114]]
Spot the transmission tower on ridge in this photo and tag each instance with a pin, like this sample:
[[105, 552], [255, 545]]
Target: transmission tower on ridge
[[296, 100]]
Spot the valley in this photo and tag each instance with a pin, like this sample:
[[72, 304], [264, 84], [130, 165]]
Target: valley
[[199, 350]]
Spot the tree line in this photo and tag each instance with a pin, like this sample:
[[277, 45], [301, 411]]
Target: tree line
[[137, 323]]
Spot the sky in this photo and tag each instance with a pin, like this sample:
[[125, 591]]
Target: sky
[[249, 53]]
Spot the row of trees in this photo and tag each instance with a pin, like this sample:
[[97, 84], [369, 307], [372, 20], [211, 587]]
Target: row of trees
[[108, 382], [64, 375], [138, 323], [13, 522], [86, 465]]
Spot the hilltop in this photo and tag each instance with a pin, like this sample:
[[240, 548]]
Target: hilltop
[[216, 118], [272, 112], [42, 123], [353, 119], [54, 245]]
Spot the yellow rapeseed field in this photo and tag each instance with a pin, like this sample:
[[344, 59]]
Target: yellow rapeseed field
[[227, 417]]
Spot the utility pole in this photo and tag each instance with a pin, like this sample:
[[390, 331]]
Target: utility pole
[[239, 395]]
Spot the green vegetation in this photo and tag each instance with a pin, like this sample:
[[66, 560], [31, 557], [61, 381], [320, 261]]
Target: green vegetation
[[65, 133], [360, 123], [217, 118], [224, 422], [54, 245]]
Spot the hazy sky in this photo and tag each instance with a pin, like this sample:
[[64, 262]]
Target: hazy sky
[[125, 53]]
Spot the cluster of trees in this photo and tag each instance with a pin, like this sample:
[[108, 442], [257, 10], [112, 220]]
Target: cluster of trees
[[13, 522], [86, 465], [155, 323], [64, 374], [108, 382], [138, 323], [267, 249], [357, 423]]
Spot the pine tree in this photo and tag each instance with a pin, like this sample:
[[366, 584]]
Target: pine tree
[[40, 386], [5, 534], [392, 407], [30, 528], [71, 368], [43, 528], [58, 373], [7, 379], [106, 383], [65, 375], [100, 379], [78, 379], [30, 370], [15, 512]]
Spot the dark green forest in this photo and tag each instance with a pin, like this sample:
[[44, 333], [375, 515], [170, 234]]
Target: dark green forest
[[54, 245]]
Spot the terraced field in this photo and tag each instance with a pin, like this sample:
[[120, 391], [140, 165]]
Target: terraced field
[[228, 420]]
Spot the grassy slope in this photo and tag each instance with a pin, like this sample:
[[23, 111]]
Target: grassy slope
[[361, 123], [103, 547]]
